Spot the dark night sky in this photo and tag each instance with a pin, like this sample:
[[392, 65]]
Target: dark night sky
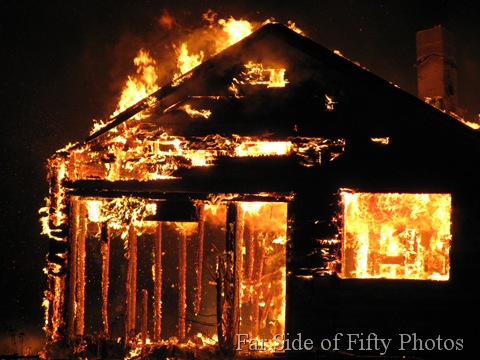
[[64, 63]]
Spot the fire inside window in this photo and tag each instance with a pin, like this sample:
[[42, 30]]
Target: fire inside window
[[396, 236], [229, 260]]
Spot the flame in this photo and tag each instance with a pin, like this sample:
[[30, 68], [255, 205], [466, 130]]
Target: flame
[[188, 228], [277, 78], [138, 87], [46, 306], [263, 148], [396, 236], [94, 210], [120, 212], [264, 271], [234, 31], [196, 113], [224, 33], [206, 340], [185, 60], [381, 140], [292, 26], [257, 74], [329, 103], [231, 32]]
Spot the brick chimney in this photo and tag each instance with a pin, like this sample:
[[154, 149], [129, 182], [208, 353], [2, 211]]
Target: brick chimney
[[437, 68]]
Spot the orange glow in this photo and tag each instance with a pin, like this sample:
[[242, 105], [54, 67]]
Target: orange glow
[[194, 113], [205, 340], [329, 103], [257, 74], [158, 157], [263, 287], [231, 32], [277, 78], [136, 87], [234, 31], [140, 86], [185, 60], [396, 236], [382, 140], [263, 148], [291, 25]]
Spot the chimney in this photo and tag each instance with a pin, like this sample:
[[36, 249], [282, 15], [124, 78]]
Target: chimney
[[437, 68]]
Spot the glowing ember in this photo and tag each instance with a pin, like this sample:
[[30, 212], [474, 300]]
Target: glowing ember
[[382, 140], [196, 113], [263, 148], [396, 236], [329, 103]]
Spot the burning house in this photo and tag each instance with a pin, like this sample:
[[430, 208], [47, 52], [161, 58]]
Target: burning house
[[276, 188]]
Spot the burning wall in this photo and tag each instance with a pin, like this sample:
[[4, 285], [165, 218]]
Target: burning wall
[[239, 275]]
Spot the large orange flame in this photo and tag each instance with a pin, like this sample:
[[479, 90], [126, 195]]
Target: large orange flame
[[397, 236], [138, 87], [227, 32]]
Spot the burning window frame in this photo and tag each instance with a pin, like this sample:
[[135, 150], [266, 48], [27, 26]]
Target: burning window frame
[[396, 236]]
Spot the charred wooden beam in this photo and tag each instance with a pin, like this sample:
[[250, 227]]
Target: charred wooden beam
[[144, 323], [258, 263], [245, 175], [105, 251], [238, 266], [250, 252], [81, 257], [255, 314], [157, 284], [58, 223], [182, 284], [55, 299], [133, 110], [199, 257], [230, 278], [131, 285], [72, 268], [230, 313], [220, 282], [167, 189]]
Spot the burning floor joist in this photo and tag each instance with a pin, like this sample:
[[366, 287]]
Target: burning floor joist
[[257, 194]]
